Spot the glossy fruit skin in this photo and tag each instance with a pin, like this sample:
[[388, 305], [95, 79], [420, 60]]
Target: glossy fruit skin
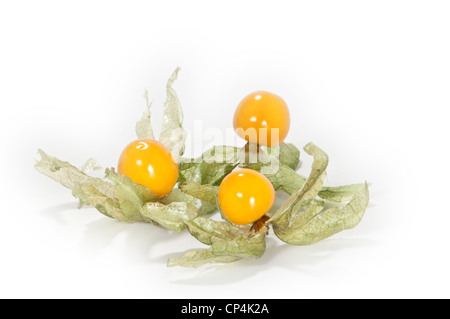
[[262, 110], [151, 164], [245, 196]]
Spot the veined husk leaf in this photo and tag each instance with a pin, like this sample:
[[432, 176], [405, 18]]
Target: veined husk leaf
[[315, 223], [209, 231], [173, 135], [129, 196], [224, 251], [119, 197], [71, 177], [170, 216], [303, 220], [228, 243], [207, 193], [288, 154], [278, 165], [173, 210], [341, 194], [97, 192], [129, 190], [200, 177], [210, 168], [286, 179], [144, 126], [310, 188]]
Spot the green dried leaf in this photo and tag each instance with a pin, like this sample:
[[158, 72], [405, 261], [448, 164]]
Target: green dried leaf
[[71, 177], [206, 209], [228, 243], [310, 188], [173, 135], [89, 190], [242, 246], [276, 164], [209, 231], [121, 198], [129, 190], [212, 167], [316, 223], [223, 252], [342, 193], [143, 126], [90, 195], [130, 196], [288, 154], [206, 193], [176, 195], [286, 179], [171, 216]]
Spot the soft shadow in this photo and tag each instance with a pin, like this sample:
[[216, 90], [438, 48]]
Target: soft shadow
[[136, 239], [296, 258], [100, 234], [306, 257], [54, 212]]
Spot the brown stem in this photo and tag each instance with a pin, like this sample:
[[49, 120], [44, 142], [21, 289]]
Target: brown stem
[[259, 224], [251, 149]]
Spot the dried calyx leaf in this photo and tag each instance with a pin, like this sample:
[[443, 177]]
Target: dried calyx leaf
[[228, 243], [278, 164], [71, 177], [288, 154], [303, 220], [210, 168], [340, 194], [173, 135], [144, 126], [207, 193], [285, 179], [316, 223], [119, 197], [311, 186], [173, 211]]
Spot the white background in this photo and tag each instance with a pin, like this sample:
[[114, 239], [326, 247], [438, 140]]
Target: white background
[[367, 81]]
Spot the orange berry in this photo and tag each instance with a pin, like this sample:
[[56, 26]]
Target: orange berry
[[245, 196], [149, 163], [259, 115]]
